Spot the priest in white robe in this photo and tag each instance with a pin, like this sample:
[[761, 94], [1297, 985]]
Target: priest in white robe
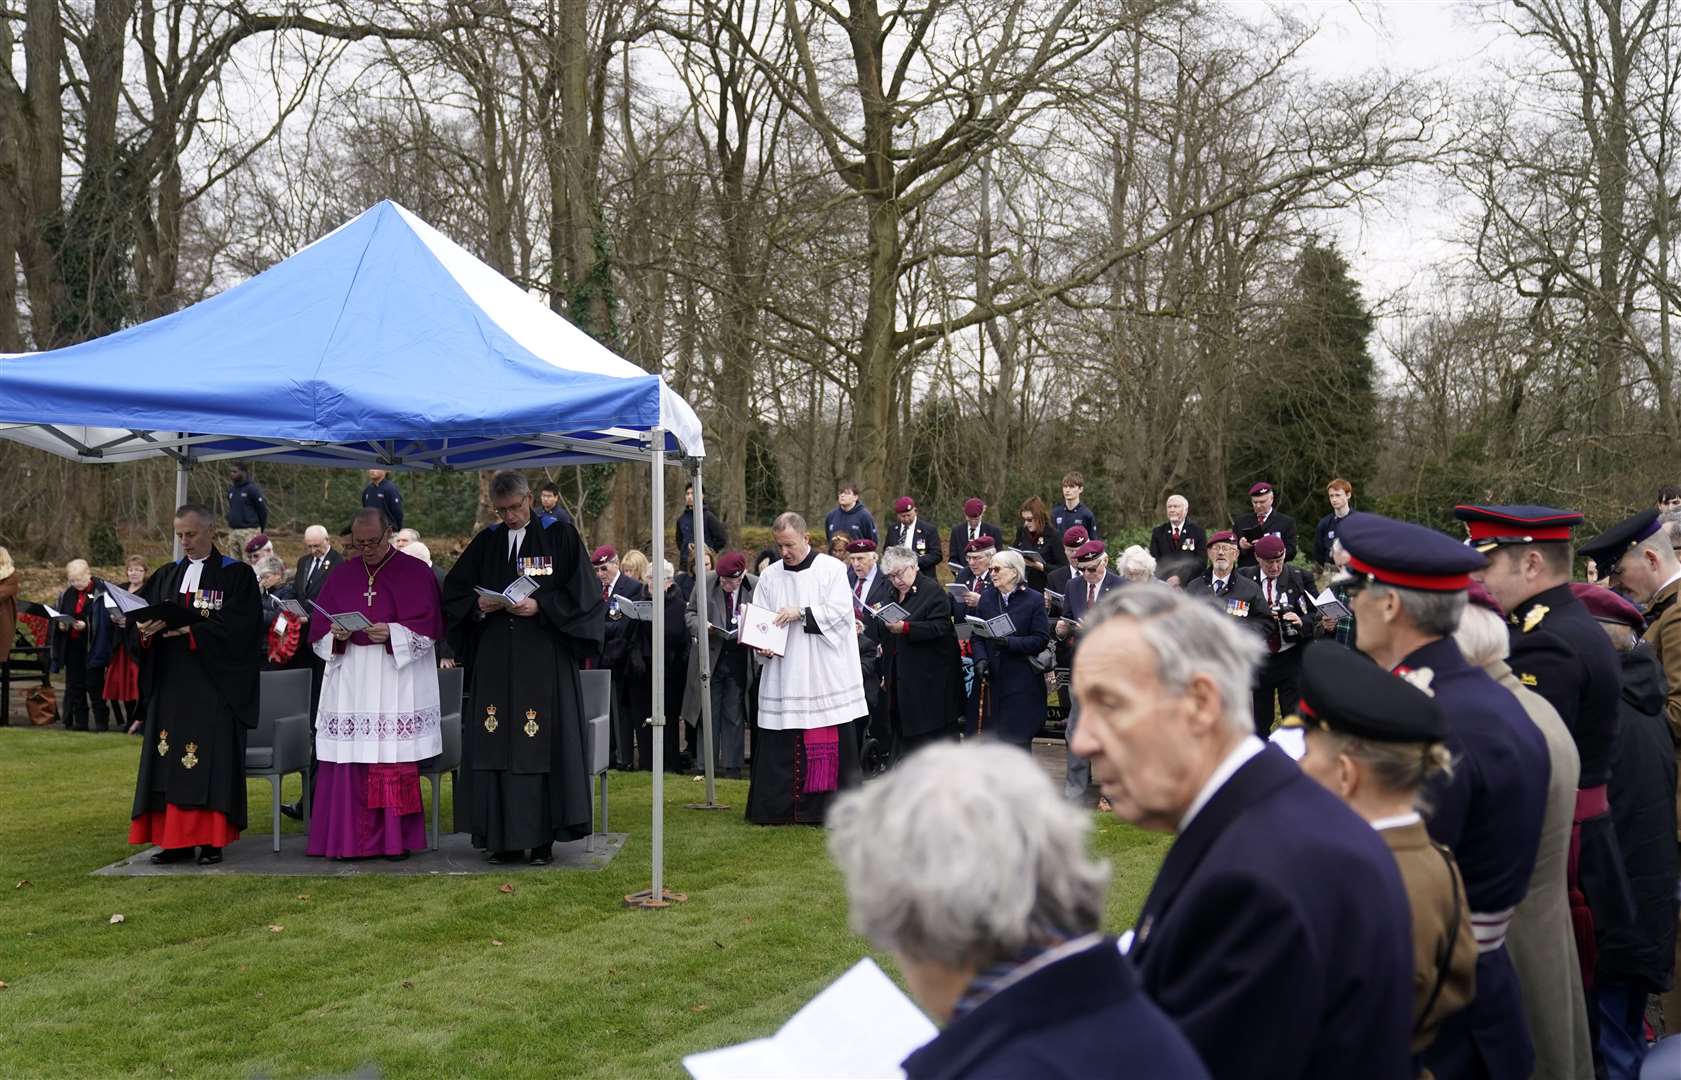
[[379, 715], [804, 745]]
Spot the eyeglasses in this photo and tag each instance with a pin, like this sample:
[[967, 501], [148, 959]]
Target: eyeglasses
[[369, 545], [504, 511]]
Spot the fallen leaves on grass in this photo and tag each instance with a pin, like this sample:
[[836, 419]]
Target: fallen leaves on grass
[[496, 941], [407, 985], [303, 897], [115, 919], [3, 986], [22, 884], [505, 887], [275, 929], [698, 1007]]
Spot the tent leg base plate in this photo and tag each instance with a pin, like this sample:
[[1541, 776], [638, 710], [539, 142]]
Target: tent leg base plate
[[646, 899]]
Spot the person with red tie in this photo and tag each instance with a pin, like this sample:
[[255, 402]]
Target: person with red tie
[[732, 662], [1179, 545], [1091, 562], [1287, 595], [972, 528], [1263, 520]]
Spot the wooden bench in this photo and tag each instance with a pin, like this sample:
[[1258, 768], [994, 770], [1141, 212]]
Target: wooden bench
[[27, 660]]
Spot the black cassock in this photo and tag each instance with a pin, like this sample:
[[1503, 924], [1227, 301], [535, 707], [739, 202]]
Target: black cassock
[[525, 748], [200, 692]]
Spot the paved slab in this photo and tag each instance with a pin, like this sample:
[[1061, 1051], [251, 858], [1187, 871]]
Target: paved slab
[[455, 855]]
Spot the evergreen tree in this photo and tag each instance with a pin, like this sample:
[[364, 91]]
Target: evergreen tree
[[1314, 414]]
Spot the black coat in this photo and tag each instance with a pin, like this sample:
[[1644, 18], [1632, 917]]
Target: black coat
[[1016, 707], [1278, 524], [312, 574], [1049, 547], [1642, 791], [921, 672], [1079, 1017], [923, 540], [1242, 600], [958, 544], [717, 536], [1561, 653], [99, 638], [1187, 558], [629, 642], [1295, 592]]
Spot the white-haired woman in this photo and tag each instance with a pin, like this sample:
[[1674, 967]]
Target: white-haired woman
[[1136, 564], [1012, 690], [991, 907], [80, 647], [920, 670]]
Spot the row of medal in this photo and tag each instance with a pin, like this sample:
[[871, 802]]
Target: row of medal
[[536, 566], [208, 600]]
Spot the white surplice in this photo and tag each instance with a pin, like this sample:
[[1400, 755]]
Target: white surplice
[[379, 707], [818, 683]]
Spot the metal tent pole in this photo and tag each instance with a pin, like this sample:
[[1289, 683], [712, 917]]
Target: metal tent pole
[[657, 896], [703, 596], [183, 470]]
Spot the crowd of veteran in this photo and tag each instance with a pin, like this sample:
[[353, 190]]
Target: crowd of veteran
[[1420, 788]]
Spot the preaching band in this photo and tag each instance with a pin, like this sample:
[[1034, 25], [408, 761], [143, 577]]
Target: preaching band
[[1424, 818]]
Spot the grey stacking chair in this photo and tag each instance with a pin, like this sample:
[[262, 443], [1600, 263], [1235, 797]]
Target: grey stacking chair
[[597, 686], [280, 743]]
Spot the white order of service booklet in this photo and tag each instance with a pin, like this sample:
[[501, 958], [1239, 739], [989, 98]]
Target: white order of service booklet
[[822, 1041]]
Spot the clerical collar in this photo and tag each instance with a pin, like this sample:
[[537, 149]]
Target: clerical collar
[[198, 560], [804, 564]]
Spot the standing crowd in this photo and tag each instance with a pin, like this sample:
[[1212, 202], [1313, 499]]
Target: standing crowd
[[1425, 812]]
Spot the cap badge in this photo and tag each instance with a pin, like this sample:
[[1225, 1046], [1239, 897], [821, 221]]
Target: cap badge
[[1534, 617]]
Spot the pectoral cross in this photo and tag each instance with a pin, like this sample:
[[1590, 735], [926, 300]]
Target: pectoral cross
[[370, 594]]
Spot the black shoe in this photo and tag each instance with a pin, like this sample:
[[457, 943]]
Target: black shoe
[[209, 856], [540, 856], [293, 810], [102, 728], [172, 855], [502, 858], [397, 858]]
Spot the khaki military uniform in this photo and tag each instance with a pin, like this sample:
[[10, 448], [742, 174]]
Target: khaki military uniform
[[1441, 920]]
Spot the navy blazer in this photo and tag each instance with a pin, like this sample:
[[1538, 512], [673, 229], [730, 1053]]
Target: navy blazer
[[1078, 1017], [923, 540], [1187, 558], [1562, 654], [1489, 815], [957, 546], [1074, 604], [1018, 692], [1278, 934]]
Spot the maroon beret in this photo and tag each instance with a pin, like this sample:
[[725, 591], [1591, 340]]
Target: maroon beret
[[1260, 487], [1224, 536], [865, 546], [256, 543], [1269, 547], [1091, 549], [973, 508], [1607, 606], [904, 504], [606, 553], [732, 563], [979, 543], [1074, 536]]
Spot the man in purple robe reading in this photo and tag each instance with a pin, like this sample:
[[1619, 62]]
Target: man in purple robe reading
[[379, 714]]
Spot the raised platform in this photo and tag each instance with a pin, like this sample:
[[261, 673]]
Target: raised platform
[[455, 855]]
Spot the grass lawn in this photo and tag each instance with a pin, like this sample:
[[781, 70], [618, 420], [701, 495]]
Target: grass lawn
[[419, 976]]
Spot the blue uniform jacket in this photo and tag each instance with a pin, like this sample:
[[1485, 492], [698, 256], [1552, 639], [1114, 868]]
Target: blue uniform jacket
[[1278, 935], [385, 496], [857, 522], [1063, 518], [1018, 692], [1489, 814], [1080, 1017]]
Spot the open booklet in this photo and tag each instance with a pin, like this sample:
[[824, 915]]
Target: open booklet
[[1326, 604], [758, 630], [349, 620], [136, 610], [858, 1028], [1031, 555], [890, 612], [999, 626], [638, 610], [957, 590], [521, 588]]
